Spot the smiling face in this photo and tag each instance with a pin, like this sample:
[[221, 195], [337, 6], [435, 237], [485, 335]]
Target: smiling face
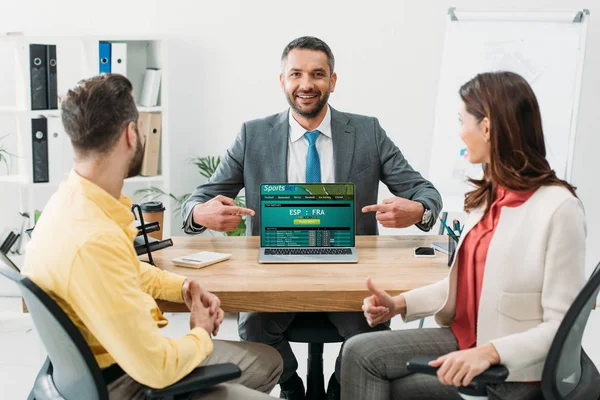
[[476, 135], [307, 82]]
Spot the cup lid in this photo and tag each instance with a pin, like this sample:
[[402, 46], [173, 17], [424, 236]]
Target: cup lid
[[152, 206]]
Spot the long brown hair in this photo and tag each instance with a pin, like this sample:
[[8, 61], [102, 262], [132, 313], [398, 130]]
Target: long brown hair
[[518, 151]]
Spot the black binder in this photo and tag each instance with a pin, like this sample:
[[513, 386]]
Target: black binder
[[39, 76], [52, 90], [39, 149]]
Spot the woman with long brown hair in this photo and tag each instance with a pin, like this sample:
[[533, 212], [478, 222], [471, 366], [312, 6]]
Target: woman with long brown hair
[[519, 264]]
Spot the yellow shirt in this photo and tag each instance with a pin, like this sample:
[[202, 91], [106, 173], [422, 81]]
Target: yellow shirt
[[82, 255]]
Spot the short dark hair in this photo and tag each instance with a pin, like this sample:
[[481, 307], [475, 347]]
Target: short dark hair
[[310, 43], [96, 111]]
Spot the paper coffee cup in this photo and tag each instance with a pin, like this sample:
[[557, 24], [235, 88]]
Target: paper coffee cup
[[154, 211]]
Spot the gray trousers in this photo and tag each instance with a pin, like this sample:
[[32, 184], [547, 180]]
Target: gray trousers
[[261, 367], [269, 328], [374, 367]]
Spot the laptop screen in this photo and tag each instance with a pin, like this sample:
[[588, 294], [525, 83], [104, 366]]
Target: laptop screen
[[307, 215]]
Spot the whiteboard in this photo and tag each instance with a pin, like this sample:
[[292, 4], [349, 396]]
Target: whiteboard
[[546, 48]]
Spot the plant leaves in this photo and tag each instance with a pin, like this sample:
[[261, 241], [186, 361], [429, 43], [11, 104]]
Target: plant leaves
[[207, 166], [239, 230]]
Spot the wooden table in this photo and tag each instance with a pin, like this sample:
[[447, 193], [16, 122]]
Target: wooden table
[[243, 284]]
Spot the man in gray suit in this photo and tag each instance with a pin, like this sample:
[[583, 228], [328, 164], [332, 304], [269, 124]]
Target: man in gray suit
[[311, 142]]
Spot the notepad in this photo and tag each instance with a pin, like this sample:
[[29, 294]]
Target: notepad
[[201, 259], [441, 247]]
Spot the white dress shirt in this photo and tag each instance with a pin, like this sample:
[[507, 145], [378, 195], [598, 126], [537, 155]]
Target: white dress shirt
[[298, 149]]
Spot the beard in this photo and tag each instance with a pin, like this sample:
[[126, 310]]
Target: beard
[[310, 112], [135, 166]]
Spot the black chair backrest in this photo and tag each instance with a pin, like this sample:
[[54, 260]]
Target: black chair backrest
[[566, 363], [75, 373]]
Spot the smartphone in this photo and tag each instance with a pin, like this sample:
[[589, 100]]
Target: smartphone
[[424, 252]]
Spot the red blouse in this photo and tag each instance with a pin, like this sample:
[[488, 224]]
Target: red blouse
[[471, 264]]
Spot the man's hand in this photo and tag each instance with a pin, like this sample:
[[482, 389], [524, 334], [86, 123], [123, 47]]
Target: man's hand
[[200, 317], [188, 290], [194, 295], [192, 291], [460, 367], [397, 212], [219, 214], [379, 307]]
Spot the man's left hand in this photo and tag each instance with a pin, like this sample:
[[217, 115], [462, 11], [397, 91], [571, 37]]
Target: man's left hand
[[192, 291], [397, 212], [460, 367]]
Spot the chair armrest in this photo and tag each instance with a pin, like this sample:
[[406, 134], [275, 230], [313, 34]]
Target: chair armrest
[[494, 374], [199, 379]]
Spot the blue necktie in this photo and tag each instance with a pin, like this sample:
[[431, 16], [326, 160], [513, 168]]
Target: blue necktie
[[313, 163]]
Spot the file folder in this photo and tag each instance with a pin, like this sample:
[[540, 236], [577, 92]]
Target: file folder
[[150, 126], [442, 247], [39, 149], [38, 76], [104, 58], [149, 96], [118, 58], [56, 150], [51, 79]]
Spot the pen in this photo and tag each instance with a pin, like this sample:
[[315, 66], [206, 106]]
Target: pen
[[450, 232], [457, 227]]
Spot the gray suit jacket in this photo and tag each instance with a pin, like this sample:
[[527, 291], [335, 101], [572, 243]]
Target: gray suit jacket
[[362, 153]]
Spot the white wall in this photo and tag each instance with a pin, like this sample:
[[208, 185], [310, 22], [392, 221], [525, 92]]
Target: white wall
[[224, 66]]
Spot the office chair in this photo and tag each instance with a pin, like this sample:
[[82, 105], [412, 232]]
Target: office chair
[[71, 372], [568, 371], [315, 329]]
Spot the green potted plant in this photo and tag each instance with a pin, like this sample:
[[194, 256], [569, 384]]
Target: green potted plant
[[206, 167]]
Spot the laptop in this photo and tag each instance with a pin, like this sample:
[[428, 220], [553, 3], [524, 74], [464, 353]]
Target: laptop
[[307, 223]]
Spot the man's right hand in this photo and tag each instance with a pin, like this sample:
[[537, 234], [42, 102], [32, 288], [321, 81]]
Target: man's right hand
[[201, 317], [219, 214]]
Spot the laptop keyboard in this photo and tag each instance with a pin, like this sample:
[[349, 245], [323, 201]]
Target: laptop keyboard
[[320, 251]]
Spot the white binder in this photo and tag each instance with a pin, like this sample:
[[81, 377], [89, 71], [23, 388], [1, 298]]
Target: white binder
[[118, 63], [149, 96], [57, 150]]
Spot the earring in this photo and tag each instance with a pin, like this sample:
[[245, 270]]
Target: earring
[[485, 139]]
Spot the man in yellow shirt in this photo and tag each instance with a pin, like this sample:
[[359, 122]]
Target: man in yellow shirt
[[82, 255]]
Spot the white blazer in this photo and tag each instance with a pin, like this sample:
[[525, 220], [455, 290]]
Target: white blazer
[[534, 269]]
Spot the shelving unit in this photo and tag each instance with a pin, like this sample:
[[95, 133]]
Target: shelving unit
[[77, 59]]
